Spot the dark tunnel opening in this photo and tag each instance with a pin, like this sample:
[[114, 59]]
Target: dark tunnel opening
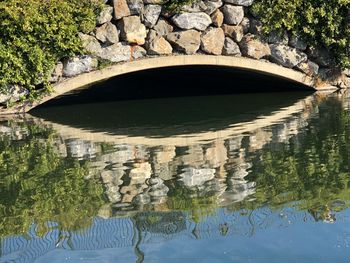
[[179, 81]]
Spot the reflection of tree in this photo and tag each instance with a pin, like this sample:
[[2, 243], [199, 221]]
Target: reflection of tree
[[166, 223], [314, 172], [36, 185], [199, 203], [323, 213]]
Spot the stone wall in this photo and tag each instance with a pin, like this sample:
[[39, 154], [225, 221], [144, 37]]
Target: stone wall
[[133, 29]]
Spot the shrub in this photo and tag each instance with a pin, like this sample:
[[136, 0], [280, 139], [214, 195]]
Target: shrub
[[35, 34], [175, 5], [320, 22]]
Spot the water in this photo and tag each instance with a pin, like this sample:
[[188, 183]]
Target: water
[[203, 179]]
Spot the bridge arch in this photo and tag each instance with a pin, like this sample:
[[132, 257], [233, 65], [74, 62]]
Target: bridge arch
[[247, 64]]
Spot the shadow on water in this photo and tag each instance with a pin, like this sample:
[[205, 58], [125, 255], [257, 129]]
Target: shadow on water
[[175, 97]]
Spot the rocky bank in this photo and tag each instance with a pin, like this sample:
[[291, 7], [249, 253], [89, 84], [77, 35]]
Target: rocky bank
[[134, 29]]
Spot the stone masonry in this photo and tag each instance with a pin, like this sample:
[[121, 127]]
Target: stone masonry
[[133, 29]]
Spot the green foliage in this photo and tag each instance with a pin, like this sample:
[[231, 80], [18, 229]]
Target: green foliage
[[35, 34], [38, 186], [192, 200], [312, 172], [104, 63], [175, 5], [321, 22]]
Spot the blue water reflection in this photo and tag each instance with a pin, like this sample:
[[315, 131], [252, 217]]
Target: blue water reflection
[[262, 235]]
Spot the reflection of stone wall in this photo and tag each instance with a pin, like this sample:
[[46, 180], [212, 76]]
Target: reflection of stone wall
[[135, 176], [217, 168]]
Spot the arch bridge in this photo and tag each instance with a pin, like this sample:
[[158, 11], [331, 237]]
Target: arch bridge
[[242, 63]]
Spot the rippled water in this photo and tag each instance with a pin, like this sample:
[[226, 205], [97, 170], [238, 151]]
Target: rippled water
[[211, 179]]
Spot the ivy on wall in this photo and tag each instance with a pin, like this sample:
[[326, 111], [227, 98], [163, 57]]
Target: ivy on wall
[[324, 23], [35, 34]]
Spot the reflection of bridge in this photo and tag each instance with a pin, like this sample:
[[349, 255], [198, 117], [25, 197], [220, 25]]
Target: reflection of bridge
[[248, 64], [235, 129], [139, 171], [214, 162]]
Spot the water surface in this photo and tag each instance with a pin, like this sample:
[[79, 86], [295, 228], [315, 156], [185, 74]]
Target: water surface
[[203, 179]]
